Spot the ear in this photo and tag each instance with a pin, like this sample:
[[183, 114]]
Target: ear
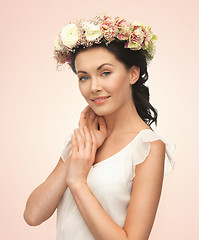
[[134, 74]]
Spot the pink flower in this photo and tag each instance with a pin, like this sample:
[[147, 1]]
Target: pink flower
[[123, 28], [147, 36], [108, 29], [136, 38], [103, 28]]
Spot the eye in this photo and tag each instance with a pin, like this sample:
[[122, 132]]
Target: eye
[[83, 79], [106, 73]]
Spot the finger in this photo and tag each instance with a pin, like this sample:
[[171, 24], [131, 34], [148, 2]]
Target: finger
[[89, 112], [83, 113], [91, 119], [81, 125], [92, 115], [81, 130], [82, 120], [95, 122], [94, 146], [86, 109], [74, 145], [87, 119], [102, 125], [88, 142], [80, 141]]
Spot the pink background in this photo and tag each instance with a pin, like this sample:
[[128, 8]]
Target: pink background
[[39, 105]]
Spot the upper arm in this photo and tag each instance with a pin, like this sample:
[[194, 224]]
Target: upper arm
[[146, 192]]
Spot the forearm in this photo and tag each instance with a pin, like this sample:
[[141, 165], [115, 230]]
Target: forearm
[[100, 224], [43, 201]]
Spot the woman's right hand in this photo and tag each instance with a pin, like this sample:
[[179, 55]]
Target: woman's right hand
[[90, 119]]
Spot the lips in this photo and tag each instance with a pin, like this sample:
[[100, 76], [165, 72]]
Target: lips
[[99, 98]]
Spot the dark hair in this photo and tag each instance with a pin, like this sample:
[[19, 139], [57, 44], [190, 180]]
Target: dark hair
[[140, 92]]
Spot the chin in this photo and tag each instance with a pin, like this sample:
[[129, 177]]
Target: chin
[[102, 110], [101, 113]]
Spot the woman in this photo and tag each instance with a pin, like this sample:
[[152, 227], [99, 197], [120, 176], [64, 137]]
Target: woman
[[107, 183]]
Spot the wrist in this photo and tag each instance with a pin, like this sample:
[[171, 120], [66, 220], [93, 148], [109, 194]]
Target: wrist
[[76, 185]]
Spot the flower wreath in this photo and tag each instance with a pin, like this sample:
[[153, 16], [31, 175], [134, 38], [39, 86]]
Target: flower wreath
[[83, 32]]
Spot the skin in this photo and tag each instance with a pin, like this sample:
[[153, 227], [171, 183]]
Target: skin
[[86, 143], [114, 81], [149, 175]]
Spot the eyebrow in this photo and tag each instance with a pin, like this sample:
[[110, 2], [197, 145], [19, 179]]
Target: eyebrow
[[80, 71]]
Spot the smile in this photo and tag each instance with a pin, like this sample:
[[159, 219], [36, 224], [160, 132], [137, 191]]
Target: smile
[[101, 100]]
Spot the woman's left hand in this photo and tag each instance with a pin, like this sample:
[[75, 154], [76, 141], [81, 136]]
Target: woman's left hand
[[82, 158]]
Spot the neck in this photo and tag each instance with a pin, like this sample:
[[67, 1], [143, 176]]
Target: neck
[[125, 119]]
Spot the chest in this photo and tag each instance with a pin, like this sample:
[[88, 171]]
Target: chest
[[103, 153], [110, 148]]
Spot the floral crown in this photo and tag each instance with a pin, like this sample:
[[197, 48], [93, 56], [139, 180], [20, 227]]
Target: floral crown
[[100, 29]]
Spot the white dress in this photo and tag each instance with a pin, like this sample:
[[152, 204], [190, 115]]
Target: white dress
[[111, 183]]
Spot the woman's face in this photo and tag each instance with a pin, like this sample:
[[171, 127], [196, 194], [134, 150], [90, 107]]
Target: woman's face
[[100, 74]]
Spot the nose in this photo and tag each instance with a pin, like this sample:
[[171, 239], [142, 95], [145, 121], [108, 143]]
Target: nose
[[95, 85]]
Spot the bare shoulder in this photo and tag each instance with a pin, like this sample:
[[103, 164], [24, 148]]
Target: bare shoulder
[[146, 192], [157, 146]]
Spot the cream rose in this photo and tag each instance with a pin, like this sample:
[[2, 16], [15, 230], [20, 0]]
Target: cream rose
[[70, 35], [92, 31]]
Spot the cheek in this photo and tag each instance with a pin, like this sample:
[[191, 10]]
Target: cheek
[[84, 90], [117, 83]]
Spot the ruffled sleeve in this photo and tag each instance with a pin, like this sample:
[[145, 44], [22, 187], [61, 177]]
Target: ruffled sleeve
[[67, 149], [142, 147]]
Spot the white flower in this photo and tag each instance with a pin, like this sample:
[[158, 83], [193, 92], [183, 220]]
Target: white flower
[[92, 31], [70, 35], [56, 44]]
